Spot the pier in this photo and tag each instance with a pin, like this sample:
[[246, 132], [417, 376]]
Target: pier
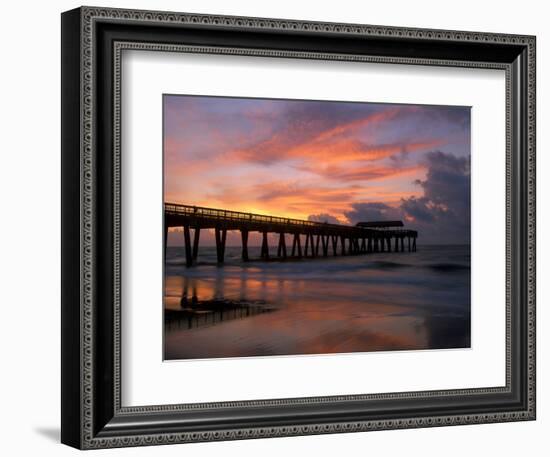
[[308, 239]]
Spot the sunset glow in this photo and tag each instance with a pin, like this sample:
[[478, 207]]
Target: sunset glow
[[302, 159]]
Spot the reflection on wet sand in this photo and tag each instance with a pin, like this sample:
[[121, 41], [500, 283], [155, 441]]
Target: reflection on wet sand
[[211, 313], [194, 313], [335, 306]]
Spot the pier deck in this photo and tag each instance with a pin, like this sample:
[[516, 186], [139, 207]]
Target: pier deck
[[309, 239]]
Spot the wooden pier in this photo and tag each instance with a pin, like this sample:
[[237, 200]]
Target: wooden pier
[[309, 239]]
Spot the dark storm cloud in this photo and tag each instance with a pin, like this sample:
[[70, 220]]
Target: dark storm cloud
[[441, 214], [323, 217], [363, 212], [448, 178]]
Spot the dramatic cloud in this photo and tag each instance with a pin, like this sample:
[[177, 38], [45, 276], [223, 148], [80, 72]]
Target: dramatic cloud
[[364, 212], [365, 173], [292, 199], [324, 218], [441, 214], [315, 143], [328, 161]]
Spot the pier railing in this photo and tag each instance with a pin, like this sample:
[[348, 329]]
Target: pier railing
[[229, 215]]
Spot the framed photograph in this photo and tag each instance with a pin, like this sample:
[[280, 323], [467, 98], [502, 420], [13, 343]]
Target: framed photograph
[[273, 227]]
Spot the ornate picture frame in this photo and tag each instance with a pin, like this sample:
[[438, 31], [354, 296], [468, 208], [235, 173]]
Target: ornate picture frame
[[93, 416]]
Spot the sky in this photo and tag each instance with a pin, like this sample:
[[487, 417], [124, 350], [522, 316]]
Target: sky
[[339, 162]]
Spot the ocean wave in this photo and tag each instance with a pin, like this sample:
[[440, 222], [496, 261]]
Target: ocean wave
[[386, 264], [411, 266], [447, 267]]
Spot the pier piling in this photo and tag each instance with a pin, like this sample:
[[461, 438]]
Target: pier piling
[[244, 243]]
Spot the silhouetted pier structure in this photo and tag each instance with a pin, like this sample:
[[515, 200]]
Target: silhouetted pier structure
[[309, 239]]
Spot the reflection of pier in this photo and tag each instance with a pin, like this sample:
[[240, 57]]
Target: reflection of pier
[[212, 312], [309, 239], [195, 312]]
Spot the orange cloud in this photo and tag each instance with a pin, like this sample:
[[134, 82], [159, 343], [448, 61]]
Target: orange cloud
[[329, 147], [364, 173], [331, 144], [348, 150], [299, 162], [299, 199]]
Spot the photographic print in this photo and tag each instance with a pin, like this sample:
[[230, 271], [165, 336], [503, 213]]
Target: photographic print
[[297, 227]]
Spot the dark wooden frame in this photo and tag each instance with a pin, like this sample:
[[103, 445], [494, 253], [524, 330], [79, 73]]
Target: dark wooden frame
[[92, 39]]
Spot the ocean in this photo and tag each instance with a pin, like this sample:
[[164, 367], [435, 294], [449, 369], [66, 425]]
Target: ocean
[[371, 302]]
